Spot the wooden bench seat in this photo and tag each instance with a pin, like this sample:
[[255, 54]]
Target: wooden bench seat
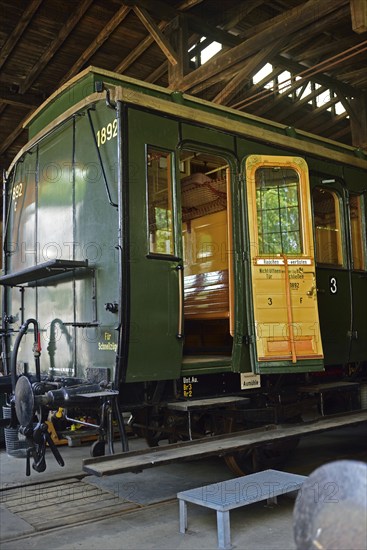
[[207, 295]]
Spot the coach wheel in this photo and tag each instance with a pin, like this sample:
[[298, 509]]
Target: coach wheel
[[271, 455], [98, 449]]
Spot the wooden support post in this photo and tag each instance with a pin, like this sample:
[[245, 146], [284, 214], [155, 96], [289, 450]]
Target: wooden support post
[[358, 10], [179, 41], [358, 123]]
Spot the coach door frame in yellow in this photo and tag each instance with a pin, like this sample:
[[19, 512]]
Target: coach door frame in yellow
[[283, 274]]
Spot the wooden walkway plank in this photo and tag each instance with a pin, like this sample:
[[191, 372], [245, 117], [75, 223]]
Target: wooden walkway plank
[[215, 446], [85, 516]]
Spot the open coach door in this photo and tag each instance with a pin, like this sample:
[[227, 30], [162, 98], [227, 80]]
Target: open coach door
[[155, 286], [283, 279]]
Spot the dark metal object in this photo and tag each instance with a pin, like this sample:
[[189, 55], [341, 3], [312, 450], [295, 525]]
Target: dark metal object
[[113, 307], [38, 439], [36, 351], [330, 510], [24, 401], [42, 271]]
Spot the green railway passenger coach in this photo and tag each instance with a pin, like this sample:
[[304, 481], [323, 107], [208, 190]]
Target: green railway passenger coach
[[161, 248]]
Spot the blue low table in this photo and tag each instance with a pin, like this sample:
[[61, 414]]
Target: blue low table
[[233, 493]]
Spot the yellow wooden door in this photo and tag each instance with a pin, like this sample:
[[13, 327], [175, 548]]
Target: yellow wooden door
[[282, 260]]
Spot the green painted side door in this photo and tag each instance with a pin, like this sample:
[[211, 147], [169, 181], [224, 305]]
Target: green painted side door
[[155, 255], [333, 273]]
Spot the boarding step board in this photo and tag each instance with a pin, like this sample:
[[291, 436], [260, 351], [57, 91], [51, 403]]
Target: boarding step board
[[220, 445], [234, 493]]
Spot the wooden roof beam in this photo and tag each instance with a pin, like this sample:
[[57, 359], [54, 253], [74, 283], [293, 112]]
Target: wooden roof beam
[[138, 51], [285, 106], [13, 136], [257, 88], [30, 10], [157, 35], [313, 51], [26, 101], [157, 73], [113, 23], [333, 121], [251, 67], [358, 10], [297, 68], [309, 36], [312, 115], [167, 13], [148, 41], [239, 12], [294, 19], [341, 133], [55, 45]]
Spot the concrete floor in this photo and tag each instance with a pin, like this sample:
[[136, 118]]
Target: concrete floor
[[152, 522]]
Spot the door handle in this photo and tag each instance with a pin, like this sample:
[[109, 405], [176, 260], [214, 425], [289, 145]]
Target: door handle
[[180, 271]]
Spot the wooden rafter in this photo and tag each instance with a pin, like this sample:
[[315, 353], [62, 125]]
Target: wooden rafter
[[315, 113], [157, 34], [55, 45], [26, 101], [13, 135], [26, 18], [157, 73], [312, 33], [167, 13], [294, 19], [239, 12], [148, 40], [250, 68], [98, 41], [138, 51]]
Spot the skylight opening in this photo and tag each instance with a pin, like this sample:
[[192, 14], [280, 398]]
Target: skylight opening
[[306, 91], [339, 109], [208, 52], [263, 73], [323, 98], [284, 81]]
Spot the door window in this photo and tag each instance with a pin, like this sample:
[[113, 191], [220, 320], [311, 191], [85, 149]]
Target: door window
[[327, 221], [358, 232], [278, 210], [160, 206]]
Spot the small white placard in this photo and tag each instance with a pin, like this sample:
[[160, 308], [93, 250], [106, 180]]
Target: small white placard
[[249, 380]]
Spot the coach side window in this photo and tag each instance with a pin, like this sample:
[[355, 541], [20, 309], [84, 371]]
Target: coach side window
[[327, 219], [278, 210], [358, 231], [160, 204]]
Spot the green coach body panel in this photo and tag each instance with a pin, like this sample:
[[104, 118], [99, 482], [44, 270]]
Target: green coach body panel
[[69, 208]]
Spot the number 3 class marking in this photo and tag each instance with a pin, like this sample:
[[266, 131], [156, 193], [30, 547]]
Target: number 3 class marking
[[333, 285], [270, 301]]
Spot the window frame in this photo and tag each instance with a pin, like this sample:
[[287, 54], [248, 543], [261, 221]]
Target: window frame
[[340, 226], [299, 165], [261, 234], [363, 231], [171, 155]]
